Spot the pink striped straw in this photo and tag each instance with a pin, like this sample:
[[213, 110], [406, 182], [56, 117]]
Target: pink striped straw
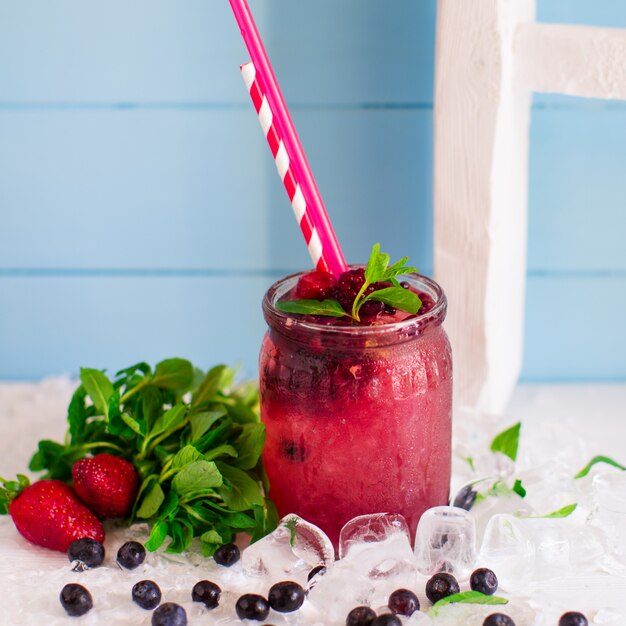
[[289, 156]]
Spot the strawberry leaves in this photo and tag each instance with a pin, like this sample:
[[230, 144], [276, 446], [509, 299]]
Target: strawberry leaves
[[195, 439]]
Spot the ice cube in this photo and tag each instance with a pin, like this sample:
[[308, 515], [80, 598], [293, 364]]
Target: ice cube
[[291, 551], [521, 549], [609, 489], [371, 528], [377, 558], [446, 541]]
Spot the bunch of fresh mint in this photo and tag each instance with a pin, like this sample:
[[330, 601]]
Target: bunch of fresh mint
[[195, 439], [377, 270]]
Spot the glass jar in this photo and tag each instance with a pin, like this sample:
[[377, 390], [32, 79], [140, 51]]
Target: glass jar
[[358, 417]]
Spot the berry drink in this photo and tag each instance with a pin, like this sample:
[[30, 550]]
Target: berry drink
[[358, 414]]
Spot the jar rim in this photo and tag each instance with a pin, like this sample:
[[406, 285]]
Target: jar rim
[[409, 327]]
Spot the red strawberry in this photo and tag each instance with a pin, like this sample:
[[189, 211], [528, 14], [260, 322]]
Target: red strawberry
[[106, 484], [49, 514]]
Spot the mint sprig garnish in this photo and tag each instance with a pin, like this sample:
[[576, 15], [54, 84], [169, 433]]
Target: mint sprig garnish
[[195, 439], [377, 270]]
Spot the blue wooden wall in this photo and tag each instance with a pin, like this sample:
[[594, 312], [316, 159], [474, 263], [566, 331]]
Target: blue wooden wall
[[141, 215]]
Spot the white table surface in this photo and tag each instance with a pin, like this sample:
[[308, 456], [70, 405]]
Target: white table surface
[[583, 420]]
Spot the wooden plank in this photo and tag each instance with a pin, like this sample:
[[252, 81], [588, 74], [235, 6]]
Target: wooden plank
[[162, 51], [55, 325], [481, 138], [596, 13], [586, 61], [574, 328], [198, 189], [577, 189]]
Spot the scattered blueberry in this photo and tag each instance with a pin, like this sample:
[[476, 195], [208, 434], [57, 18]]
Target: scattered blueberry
[[75, 599], [498, 619], [206, 592], [227, 555], [484, 580], [88, 552], [169, 614], [295, 452], [360, 616], [573, 618], [389, 310], [405, 285], [319, 570], [386, 619], [465, 498], [441, 585], [131, 555], [286, 596], [403, 602], [146, 594], [252, 606]]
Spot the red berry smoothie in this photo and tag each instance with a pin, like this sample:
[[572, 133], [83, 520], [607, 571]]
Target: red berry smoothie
[[358, 415]]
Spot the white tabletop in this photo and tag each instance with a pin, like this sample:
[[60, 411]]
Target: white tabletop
[[574, 422]]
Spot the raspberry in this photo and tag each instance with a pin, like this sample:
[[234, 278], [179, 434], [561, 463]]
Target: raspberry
[[314, 286]]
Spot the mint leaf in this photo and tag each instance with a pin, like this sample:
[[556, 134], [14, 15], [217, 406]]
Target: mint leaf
[[292, 525], [398, 269], [507, 442], [211, 384], [223, 450], [77, 415], [99, 388], [197, 476], [403, 299], [519, 489], [173, 374], [184, 456], [598, 459], [172, 418], [202, 422], [560, 513], [466, 597], [157, 535], [250, 445], [376, 265], [330, 308], [210, 541], [239, 492], [151, 502]]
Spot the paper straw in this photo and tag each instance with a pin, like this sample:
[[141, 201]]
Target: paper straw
[[291, 159]]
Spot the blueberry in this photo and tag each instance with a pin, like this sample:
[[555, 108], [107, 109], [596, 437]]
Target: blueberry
[[484, 580], [227, 555], [319, 570], [360, 616], [206, 592], [88, 552], [146, 594], [573, 618], [169, 614], [441, 585], [131, 555], [75, 599], [403, 602], [405, 285], [252, 606], [295, 452], [465, 498], [386, 619], [286, 596], [498, 619]]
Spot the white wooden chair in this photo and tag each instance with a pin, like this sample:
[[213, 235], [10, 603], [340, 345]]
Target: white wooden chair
[[491, 56]]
